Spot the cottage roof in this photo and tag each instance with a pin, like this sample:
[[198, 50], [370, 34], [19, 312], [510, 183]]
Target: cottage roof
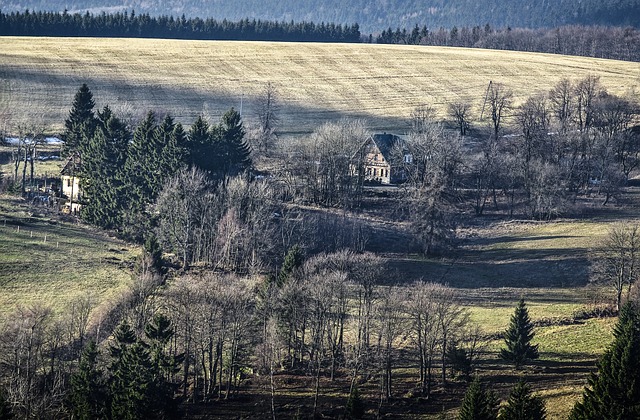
[[385, 143], [73, 166]]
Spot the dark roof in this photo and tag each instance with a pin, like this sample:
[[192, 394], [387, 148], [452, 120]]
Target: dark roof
[[385, 143], [73, 166]]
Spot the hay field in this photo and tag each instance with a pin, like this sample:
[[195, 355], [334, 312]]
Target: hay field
[[316, 81]]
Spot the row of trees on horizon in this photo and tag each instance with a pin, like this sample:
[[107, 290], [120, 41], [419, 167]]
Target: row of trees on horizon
[[374, 15], [620, 43], [132, 25]]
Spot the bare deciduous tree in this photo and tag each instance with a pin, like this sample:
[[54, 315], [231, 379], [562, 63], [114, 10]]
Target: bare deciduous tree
[[586, 91], [617, 262], [562, 103], [182, 206], [421, 309], [500, 101], [324, 162], [267, 108], [459, 111], [390, 324]]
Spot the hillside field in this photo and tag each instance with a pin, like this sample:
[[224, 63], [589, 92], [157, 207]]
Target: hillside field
[[316, 82], [49, 262]]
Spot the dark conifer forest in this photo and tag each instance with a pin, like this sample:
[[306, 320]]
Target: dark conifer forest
[[613, 42], [373, 16], [132, 25]]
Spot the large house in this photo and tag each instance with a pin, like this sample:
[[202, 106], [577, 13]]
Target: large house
[[71, 183], [382, 158]]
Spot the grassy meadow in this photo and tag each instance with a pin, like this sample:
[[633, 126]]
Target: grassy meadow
[[316, 82], [51, 262]]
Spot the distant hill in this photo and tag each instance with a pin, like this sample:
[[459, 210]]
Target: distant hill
[[372, 15]]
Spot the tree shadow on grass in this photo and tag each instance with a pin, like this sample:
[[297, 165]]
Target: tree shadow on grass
[[519, 269]]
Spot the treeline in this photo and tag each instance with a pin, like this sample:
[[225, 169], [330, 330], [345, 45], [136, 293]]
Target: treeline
[[374, 15], [619, 43], [145, 26]]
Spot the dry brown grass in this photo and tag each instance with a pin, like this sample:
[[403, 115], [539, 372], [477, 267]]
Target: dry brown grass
[[316, 82]]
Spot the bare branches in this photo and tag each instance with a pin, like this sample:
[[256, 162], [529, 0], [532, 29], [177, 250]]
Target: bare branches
[[617, 263]]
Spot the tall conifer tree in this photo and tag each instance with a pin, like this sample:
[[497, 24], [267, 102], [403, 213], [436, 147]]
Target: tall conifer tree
[[80, 124], [522, 405], [88, 391], [518, 338], [171, 148], [292, 261], [103, 172], [202, 152], [478, 403], [141, 169], [235, 153], [132, 386], [614, 391]]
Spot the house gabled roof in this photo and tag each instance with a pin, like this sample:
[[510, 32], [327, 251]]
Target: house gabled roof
[[73, 166], [385, 143]]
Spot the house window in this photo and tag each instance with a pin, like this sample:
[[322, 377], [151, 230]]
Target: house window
[[368, 171], [408, 158], [68, 182]]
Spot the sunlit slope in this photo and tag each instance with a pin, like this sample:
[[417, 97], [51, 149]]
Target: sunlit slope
[[316, 82]]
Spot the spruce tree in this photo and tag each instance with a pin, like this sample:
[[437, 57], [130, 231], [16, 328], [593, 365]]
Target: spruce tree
[[132, 383], [518, 338], [159, 333], [292, 261], [88, 393], [201, 148], [103, 172], [142, 165], [80, 124], [171, 143], [153, 249], [478, 403], [235, 153], [614, 391], [522, 405], [164, 364]]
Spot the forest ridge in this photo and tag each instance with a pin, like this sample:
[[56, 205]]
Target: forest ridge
[[373, 16]]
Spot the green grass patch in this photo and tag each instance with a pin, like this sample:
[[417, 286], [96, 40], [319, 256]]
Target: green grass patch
[[585, 340], [44, 261]]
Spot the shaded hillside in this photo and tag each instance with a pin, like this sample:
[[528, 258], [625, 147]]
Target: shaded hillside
[[374, 16]]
